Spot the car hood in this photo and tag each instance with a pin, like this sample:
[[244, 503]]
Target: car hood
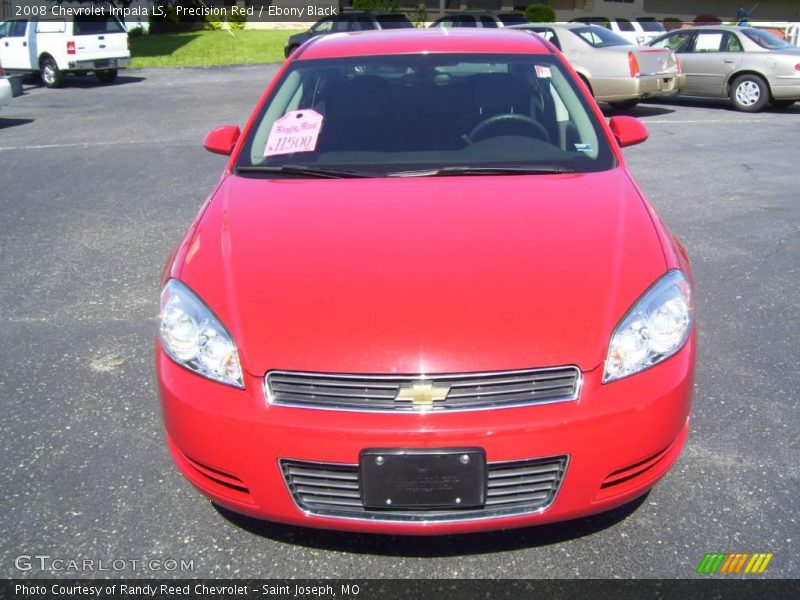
[[423, 275]]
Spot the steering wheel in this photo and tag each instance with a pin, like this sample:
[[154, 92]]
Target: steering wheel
[[533, 128]]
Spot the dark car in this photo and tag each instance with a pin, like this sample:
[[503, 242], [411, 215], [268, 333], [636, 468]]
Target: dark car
[[348, 21]]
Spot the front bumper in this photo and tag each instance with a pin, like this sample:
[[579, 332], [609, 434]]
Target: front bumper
[[620, 439], [616, 89]]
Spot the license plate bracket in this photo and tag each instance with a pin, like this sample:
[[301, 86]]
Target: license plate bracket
[[435, 478]]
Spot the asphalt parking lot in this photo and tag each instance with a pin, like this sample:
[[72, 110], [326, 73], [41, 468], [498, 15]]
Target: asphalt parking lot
[[98, 183]]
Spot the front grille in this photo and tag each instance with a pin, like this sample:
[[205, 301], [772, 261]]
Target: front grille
[[473, 391], [512, 488]]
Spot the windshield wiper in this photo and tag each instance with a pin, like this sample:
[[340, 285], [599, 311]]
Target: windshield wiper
[[319, 172], [457, 171]]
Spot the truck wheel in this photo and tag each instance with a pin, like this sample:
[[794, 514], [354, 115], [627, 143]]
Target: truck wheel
[[51, 75], [749, 93], [107, 76]]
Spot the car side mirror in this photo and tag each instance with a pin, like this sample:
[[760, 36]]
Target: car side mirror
[[221, 140], [629, 131]]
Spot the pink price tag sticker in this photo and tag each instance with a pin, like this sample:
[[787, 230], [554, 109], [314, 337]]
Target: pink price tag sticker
[[542, 72], [296, 131]]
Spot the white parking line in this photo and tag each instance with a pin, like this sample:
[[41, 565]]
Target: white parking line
[[674, 122], [173, 142]]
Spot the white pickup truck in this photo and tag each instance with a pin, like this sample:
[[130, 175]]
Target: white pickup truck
[[55, 47]]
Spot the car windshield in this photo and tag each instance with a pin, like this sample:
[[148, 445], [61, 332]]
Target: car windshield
[[599, 37], [407, 114], [765, 39], [393, 21]]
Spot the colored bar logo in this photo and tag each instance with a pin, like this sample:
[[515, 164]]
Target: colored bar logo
[[734, 563]]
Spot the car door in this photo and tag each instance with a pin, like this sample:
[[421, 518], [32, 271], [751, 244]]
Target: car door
[[713, 56], [15, 47]]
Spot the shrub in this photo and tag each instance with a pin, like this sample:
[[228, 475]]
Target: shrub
[[375, 5], [237, 20], [540, 13]]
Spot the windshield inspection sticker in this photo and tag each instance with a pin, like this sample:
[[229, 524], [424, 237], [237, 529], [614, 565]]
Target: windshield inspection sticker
[[296, 131], [583, 147], [542, 72]]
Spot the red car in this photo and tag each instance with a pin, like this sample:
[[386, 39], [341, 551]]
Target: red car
[[426, 296]]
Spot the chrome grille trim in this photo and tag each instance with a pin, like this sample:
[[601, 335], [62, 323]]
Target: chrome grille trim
[[467, 391], [327, 491]]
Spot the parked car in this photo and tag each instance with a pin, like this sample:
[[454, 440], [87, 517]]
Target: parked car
[[475, 20], [426, 296], [615, 71], [53, 48], [633, 31], [750, 66], [348, 21]]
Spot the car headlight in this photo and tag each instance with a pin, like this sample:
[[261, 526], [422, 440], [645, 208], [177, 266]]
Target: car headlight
[[194, 338], [655, 328]]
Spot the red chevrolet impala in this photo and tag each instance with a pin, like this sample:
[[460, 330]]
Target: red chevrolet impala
[[426, 296]]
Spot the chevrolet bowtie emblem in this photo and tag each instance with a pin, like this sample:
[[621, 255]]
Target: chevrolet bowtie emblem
[[423, 395]]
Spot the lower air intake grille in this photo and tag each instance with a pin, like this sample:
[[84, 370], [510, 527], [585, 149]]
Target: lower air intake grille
[[513, 488]]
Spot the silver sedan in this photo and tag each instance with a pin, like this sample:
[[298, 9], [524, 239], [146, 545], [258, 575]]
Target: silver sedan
[[615, 71], [750, 66]]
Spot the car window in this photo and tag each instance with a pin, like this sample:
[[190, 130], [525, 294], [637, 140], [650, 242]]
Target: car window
[[393, 21], [324, 26], [97, 25], [599, 37], [731, 43], [547, 34], [625, 25], [650, 25], [362, 23], [512, 18], [765, 39], [449, 22], [388, 114], [677, 42], [488, 22], [466, 21], [708, 41], [15, 28]]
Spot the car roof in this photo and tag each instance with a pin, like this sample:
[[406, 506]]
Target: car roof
[[561, 25], [418, 41]]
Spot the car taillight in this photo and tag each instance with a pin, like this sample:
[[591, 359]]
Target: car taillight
[[70, 47], [797, 67], [677, 64], [633, 64]]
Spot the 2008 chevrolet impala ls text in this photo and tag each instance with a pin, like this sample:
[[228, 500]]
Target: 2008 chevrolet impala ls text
[[426, 296]]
